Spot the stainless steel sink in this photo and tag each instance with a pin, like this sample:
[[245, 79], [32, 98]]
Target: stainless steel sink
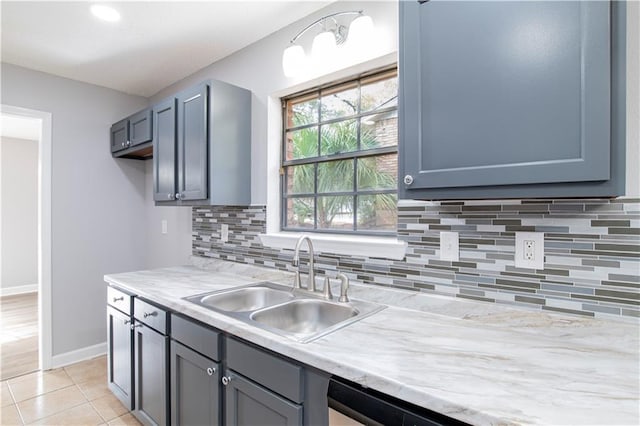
[[297, 314], [246, 299], [306, 316]]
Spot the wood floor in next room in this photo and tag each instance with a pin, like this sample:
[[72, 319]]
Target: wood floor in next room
[[73, 395], [18, 335]]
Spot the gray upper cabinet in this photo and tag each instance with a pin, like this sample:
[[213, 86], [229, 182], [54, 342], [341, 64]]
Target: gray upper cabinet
[[119, 135], [164, 148], [511, 99], [209, 162], [192, 144], [131, 137], [140, 127]]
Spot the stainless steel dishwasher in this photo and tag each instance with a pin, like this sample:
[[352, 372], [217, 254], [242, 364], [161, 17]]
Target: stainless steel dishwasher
[[351, 404]]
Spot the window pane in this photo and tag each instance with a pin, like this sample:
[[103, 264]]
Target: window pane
[[379, 94], [377, 212], [335, 212], [299, 212], [339, 103], [335, 176], [300, 179], [339, 137], [379, 130], [380, 172], [302, 111], [302, 143]]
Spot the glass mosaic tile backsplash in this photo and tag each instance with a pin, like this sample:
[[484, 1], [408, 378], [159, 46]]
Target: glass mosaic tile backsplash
[[592, 252]]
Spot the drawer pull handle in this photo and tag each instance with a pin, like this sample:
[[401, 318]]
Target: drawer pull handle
[[226, 380], [117, 299], [150, 314], [210, 371], [133, 326], [127, 322]]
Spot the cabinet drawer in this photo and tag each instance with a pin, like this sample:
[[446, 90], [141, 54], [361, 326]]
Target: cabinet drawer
[[119, 300], [268, 370], [151, 315], [196, 336]]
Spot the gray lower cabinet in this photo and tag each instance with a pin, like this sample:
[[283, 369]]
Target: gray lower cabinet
[[196, 396], [195, 388], [151, 367], [120, 356], [202, 146], [120, 346], [249, 404], [511, 99]]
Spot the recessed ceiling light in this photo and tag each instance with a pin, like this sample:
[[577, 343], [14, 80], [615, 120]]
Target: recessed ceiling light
[[106, 13]]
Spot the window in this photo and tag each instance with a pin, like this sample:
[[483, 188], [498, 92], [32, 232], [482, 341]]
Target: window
[[340, 157]]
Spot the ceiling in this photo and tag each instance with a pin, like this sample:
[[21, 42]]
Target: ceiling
[[154, 44]]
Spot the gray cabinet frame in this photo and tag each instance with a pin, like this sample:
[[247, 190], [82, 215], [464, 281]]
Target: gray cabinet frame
[[151, 372]]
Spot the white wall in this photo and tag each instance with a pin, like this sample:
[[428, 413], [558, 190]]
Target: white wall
[[258, 68], [98, 224], [19, 217]]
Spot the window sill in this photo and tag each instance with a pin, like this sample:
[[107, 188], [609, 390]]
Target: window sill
[[361, 246]]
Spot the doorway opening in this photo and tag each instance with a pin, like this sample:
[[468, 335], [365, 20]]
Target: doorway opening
[[25, 241]]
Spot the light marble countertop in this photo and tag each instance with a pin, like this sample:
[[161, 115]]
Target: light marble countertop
[[481, 363]]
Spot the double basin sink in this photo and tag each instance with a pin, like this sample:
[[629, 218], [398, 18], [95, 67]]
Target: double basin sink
[[294, 313]]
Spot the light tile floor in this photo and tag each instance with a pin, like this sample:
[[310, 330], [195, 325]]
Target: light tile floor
[[72, 395]]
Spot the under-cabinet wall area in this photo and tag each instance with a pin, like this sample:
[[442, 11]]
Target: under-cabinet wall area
[[592, 258]]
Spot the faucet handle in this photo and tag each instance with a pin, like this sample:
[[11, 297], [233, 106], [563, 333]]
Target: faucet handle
[[344, 286], [327, 289]]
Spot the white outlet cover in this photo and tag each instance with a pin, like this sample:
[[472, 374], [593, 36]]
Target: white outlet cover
[[164, 226], [537, 262], [449, 246], [224, 232]]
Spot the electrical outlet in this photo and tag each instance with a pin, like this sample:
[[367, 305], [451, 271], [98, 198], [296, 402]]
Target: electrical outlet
[[224, 232], [449, 246], [529, 250], [164, 226]]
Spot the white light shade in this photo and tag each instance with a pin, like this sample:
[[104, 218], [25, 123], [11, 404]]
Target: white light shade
[[324, 46], [361, 31], [293, 60], [105, 13]]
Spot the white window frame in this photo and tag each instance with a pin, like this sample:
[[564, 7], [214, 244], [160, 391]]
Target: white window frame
[[388, 247]]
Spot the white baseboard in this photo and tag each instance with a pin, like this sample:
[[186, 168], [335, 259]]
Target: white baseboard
[[78, 355], [18, 289]]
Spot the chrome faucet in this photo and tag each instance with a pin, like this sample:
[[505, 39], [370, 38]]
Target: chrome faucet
[[311, 285]]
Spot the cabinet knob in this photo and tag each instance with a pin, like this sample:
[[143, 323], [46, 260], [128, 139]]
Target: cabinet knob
[[128, 143], [226, 380], [170, 196], [122, 144], [116, 299], [408, 180], [178, 196], [150, 314], [210, 371]]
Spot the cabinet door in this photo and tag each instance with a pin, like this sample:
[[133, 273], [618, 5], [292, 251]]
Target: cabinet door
[[119, 135], [503, 93], [164, 150], [120, 356], [150, 366], [249, 404], [192, 143], [195, 388], [140, 127]]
